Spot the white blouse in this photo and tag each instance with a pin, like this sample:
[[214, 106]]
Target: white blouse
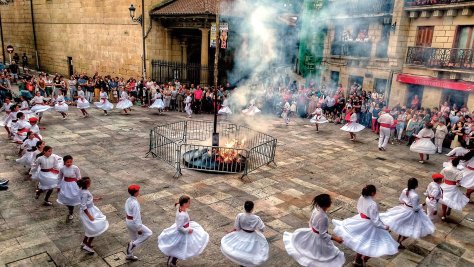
[[434, 191], [319, 222], [182, 218], [412, 200], [248, 222], [451, 173], [87, 201], [132, 208], [367, 206]]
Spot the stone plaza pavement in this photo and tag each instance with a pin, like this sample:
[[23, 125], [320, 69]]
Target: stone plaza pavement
[[111, 150]]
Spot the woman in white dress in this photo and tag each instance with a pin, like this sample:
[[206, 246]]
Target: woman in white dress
[[365, 233], [20, 128], [82, 103], [69, 193], [158, 102], [408, 219], [185, 238], [313, 246], [47, 168], [246, 245], [37, 152], [423, 145], [61, 105], [467, 180], [352, 126], [104, 103], [124, 102], [251, 110], [93, 220], [452, 197], [318, 117], [27, 150], [225, 109]]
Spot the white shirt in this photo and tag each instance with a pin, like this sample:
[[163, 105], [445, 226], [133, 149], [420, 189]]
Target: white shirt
[[132, 208], [43, 162], [386, 118], [24, 105], [103, 95], [182, 218], [29, 143], [451, 173], [434, 191], [353, 117], [60, 99], [188, 100], [87, 201], [37, 100], [123, 95], [458, 152], [319, 222], [412, 199], [249, 222], [367, 206], [425, 133]]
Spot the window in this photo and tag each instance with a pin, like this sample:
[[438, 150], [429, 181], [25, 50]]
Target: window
[[465, 37], [334, 79], [380, 85], [424, 36]]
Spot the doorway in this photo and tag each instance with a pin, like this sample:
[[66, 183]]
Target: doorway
[[70, 66], [414, 90], [455, 97]]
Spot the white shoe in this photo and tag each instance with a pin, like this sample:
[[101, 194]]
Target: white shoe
[[89, 249], [420, 161], [70, 217], [131, 258]]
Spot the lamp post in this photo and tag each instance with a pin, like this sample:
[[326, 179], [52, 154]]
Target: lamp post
[[140, 20], [215, 134]]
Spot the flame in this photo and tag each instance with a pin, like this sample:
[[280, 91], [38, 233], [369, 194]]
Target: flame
[[229, 153]]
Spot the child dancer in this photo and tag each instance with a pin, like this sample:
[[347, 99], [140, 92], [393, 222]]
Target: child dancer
[[318, 117], [423, 144], [61, 105], [468, 174], [188, 101], [69, 193], [352, 126], [26, 150], [11, 115], [246, 245], [82, 102], [225, 109], [124, 102], [440, 134], [38, 106], [408, 219], [158, 102], [38, 152], [139, 233], [47, 166], [251, 110], [433, 194], [93, 221], [313, 246], [452, 197], [35, 128], [286, 113], [21, 128], [185, 238], [104, 103], [365, 233]]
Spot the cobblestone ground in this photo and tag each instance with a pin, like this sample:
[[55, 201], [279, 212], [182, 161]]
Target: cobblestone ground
[[111, 150]]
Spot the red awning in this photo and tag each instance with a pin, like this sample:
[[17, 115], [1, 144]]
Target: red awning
[[434, 82]]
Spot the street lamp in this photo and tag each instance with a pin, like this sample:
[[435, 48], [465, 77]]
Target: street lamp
[[140, 20]]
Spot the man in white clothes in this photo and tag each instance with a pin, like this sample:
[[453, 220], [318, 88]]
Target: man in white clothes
[[386, 121], [139, 233]]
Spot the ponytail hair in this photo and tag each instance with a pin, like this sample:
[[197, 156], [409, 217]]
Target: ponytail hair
[[182, 200], [412, 184], [369, 190], [84, 182]]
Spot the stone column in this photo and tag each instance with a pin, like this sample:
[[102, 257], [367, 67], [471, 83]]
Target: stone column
[[184, 52], [169, 41], [204, 55]]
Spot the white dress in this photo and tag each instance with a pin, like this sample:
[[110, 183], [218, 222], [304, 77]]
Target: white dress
[[246, 246], [124, 102], [252, 109], [61, 105], [467, 180], [225, 110], [318, 117], [408, 219], [433, 194], [36, 130], [188, 108], [176, 241], [69, 193], [365, 233], [352, 126], [312, 247], [20, 130], [47, 169], [100, 223], [423, 144], [158, 103], [104, 103], [452, 196], [29, 156], [39, 105], [82, 102]]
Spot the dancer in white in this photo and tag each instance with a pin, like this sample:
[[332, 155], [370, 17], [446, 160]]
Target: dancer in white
[[433, 194], [365, 233], [246, 245], [286, 113], [385, 121], [39, 106], [61, 105], [47, 168], [423, 144], [35, 128], [124, 102], [7, 108], [352, 126], [82, 103], [225, 109], [27, 150], [318, 117], [139, 233], [188, 102], [104, 103], [251, 110], [408, 218], [93, 220], [468, 174], [9, 117], [313, 246], [158, 102], [452, 197], [69, 193], [20, 128], [185, 238]]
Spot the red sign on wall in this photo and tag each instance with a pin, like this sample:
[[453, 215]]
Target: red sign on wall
[[434, 82]]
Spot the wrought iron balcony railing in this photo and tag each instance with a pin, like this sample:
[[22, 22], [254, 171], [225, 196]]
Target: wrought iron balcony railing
[[351, 49], [420, 3], [361, 8], [446, 58]]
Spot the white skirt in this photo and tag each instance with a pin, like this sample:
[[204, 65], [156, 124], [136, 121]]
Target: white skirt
[[467, 180], [406, 222], [246, 249], [453, 198], [47, 180], [61, 107], [20, 136], [318, 119], [353, 127], [158, 104], [96, 227], [82, 103], [124, 104], [310, 250], [251, 111], [183, 246], [3, 121], [69, 194], [27, 159], [225, 110], [104, 105], [40, 108], [424, 146], [363, 237]]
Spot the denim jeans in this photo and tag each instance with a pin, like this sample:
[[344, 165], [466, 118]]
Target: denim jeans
[[400, 128]]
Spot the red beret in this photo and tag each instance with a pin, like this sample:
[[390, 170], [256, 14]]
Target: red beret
[[134, 187], [437, 176], [33, 119]]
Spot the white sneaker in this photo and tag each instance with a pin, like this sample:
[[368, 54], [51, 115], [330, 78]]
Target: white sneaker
[[131, 258], [70, 217], [89, 249]]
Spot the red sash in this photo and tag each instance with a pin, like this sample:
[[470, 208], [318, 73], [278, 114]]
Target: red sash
[[386, 125], [314, 230], [363, 216], [129, 217], [449, 182], [70, 179], [50, 170], [186, 225]]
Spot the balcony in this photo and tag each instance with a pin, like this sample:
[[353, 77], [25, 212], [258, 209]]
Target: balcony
[[437, 7], [441, 58], [354, 8], [351, 49], [427, 3]]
